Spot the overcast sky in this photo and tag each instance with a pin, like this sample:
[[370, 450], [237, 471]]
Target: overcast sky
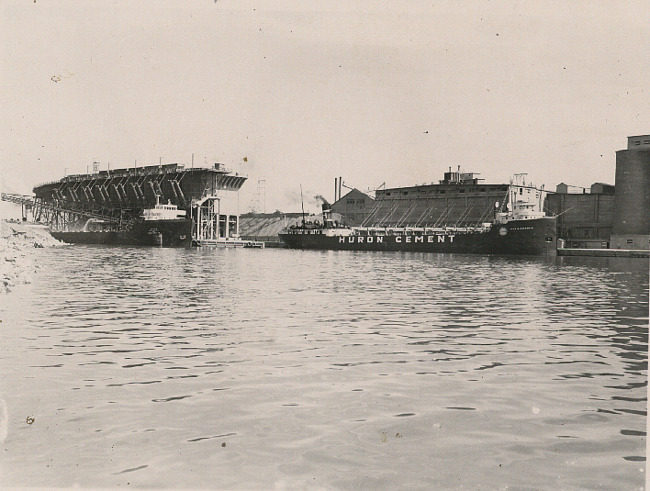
[[374, 91]]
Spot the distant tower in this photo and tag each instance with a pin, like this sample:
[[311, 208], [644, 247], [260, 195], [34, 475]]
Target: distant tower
[[258, 203], [631, 228]]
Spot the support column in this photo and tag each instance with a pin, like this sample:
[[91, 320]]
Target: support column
[[198, 222]]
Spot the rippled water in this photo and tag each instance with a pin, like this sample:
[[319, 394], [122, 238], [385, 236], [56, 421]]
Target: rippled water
[[252, 369]]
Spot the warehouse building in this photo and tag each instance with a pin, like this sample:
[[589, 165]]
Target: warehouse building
[[585, 216]]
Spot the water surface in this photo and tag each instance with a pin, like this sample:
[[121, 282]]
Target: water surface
[[258, 369]]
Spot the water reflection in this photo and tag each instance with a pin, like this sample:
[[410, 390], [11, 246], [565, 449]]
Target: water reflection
[[270, 366]]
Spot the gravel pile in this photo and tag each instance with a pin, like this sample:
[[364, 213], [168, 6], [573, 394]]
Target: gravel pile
[[17, 243]]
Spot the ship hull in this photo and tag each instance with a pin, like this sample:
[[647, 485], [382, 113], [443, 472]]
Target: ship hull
[[534, 237], [158, 233]]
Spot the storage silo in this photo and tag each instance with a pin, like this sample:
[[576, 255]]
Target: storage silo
[[631, 227]]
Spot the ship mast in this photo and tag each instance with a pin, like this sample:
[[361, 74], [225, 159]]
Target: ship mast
[[302, 204]]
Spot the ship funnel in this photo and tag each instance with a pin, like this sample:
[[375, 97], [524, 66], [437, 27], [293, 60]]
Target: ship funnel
[[325, 206], [327, 211]]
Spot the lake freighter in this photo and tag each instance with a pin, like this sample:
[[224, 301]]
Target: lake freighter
[[518, 226], [164, 224]]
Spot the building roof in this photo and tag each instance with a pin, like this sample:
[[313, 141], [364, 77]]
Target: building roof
[[355, 193]]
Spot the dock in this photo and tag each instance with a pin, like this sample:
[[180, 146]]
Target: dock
[[228, 243], [566, 251]]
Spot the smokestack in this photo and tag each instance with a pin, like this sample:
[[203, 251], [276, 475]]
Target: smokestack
[[335, 189], [326, 205], [327, 212], [340, 179]]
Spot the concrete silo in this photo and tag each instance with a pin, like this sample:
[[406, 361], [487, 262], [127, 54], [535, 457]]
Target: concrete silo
[[631, 227]]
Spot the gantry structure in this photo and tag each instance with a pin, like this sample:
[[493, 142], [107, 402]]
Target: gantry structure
[[208, 194]]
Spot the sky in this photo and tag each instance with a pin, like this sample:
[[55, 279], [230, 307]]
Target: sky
[[296, 93]]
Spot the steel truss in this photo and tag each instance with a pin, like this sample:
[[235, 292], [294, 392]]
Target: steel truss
[[65, 215]]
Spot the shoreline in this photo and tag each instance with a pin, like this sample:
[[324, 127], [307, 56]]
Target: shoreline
[[17, 243]]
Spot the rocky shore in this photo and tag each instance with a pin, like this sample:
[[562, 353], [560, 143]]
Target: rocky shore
[[18, 241]]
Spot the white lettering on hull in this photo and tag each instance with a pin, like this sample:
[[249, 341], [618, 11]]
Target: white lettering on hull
[[398, 239]]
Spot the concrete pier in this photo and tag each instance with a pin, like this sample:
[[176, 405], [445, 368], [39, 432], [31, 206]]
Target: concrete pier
[[565, 251]]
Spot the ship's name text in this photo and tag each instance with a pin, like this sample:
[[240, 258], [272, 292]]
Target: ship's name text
[[399, 239]]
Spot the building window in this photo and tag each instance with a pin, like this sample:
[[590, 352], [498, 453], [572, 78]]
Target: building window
[[629, 241]]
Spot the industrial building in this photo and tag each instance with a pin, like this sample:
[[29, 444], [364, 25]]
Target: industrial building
[[631, 228], [354, 206], [606, 216], [585, 216]]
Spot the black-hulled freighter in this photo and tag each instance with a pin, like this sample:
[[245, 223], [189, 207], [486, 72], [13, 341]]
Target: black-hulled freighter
[[518, 226], [162, 225]]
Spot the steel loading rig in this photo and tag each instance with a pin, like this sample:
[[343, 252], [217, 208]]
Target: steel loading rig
[[118, 198]]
